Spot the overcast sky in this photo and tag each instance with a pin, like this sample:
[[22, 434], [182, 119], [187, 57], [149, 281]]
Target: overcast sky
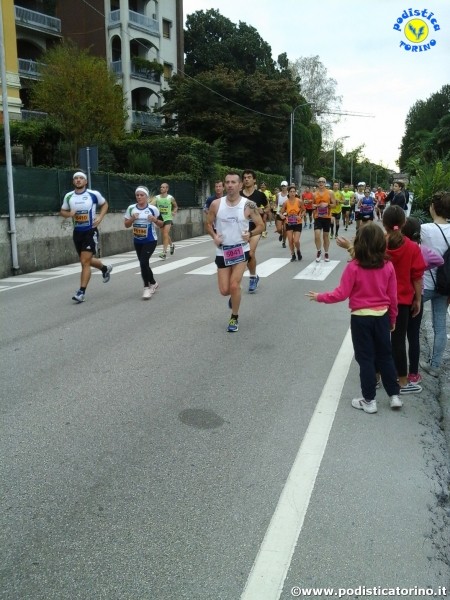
[[357, 43]]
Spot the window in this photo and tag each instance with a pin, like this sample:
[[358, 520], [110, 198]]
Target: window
[[167, 71], [167, 26]]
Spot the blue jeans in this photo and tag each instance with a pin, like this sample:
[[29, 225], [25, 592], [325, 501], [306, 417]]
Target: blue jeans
[[439, 316]]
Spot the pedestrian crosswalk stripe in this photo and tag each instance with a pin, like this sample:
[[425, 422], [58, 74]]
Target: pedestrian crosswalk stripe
[[21, 280], [269, 266], [209, 269], [317, 271], [176, 264]]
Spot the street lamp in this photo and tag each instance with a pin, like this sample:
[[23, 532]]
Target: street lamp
[[291, 137], [334, 154]]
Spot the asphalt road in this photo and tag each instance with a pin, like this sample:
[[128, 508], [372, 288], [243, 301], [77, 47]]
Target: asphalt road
[[149, 454]]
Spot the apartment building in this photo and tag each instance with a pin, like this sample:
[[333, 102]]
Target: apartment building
[[141, 40]]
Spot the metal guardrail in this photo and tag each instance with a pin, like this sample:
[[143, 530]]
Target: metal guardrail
[[37, 20], [29, 68], [145, 120], [137, 19], [27, 115]]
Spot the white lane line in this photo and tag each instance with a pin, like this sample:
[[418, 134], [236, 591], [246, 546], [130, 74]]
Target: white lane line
[[267, 576], [176, 264], [209, 269], [269, 266], [20, 279], [317, 271]]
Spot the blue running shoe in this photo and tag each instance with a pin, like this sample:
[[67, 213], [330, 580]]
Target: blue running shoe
[[233, 325], [253, 283], [107, 274], [78, 297]]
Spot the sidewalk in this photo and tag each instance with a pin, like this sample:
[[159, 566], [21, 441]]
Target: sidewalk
[[439, 388]]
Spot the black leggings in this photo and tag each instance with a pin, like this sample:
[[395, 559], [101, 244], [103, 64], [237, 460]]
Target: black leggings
[[413, 333], [144, 252], [398, 340]]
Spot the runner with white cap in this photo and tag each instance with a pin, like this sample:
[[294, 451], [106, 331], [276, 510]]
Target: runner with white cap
[[142, 218], [81, 205], [282, 196]]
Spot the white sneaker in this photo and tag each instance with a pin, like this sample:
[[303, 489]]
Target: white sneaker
[[153, 288], [410, 388], [396, 402], [368, 406], [146, 295]]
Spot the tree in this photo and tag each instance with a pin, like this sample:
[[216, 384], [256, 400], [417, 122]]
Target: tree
[[210, 39], [248, 115], [81, 96], [427, 129], [317, 87]]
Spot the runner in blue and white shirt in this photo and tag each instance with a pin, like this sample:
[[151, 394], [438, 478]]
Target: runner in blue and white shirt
[[144, 218], [81, 205]]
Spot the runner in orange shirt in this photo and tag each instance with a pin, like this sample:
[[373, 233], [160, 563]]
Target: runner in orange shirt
[[308, 198], [323, 203], [380, 197], [292, 212]]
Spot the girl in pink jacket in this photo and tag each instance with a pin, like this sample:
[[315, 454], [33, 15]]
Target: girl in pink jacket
[[369, 282]]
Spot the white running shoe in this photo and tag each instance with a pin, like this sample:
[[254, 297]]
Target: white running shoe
[[368, 406], [396, 402]]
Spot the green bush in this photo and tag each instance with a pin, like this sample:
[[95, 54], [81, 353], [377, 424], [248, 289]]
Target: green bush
[[428, 179]]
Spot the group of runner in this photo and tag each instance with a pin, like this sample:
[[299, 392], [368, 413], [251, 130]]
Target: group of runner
[[320, 208], [237, 216]]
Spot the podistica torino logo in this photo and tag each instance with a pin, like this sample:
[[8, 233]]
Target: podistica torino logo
[[418, 26]]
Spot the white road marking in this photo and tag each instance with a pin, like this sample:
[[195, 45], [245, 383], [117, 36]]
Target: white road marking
[[20, 279], [318, 271], [267, 576], [176, 264], [268, 267], [209, 269]]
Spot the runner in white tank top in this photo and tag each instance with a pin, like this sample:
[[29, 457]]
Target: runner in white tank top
[[231, 215]]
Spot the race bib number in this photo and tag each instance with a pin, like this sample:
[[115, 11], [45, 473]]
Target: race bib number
[[292, 219], [140, 231], [322, 211], [232, 255], [164, 210], [82, 217]]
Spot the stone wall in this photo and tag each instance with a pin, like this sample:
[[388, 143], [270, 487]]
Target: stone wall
[[44, 242]]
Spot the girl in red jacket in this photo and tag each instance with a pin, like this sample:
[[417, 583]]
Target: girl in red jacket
[[409, 268]]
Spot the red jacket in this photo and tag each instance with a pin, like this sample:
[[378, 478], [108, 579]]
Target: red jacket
[[409, 266]]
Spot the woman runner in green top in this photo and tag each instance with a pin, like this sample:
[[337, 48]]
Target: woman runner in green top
[[168, 208]]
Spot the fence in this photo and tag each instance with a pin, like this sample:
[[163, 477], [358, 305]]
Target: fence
[[40, 191]]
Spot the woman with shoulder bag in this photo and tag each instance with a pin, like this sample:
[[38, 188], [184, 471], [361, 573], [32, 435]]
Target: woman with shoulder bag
[[436, 235]]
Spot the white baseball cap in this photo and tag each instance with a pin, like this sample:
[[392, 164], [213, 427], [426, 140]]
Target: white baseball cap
[[284, 183], [361, 183]]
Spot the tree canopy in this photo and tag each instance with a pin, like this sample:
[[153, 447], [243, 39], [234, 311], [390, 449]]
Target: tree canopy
[[247, 116], [211, 39], [234, 95], [81, 96], [427, 129], [317, 87]]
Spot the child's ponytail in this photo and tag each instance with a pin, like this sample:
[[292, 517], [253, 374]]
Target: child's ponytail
[[393, 220]]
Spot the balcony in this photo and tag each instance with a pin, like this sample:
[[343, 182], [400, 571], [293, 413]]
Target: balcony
[[29, 68], [145, 120], [143, 73], [137, 20], [38, 21]]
